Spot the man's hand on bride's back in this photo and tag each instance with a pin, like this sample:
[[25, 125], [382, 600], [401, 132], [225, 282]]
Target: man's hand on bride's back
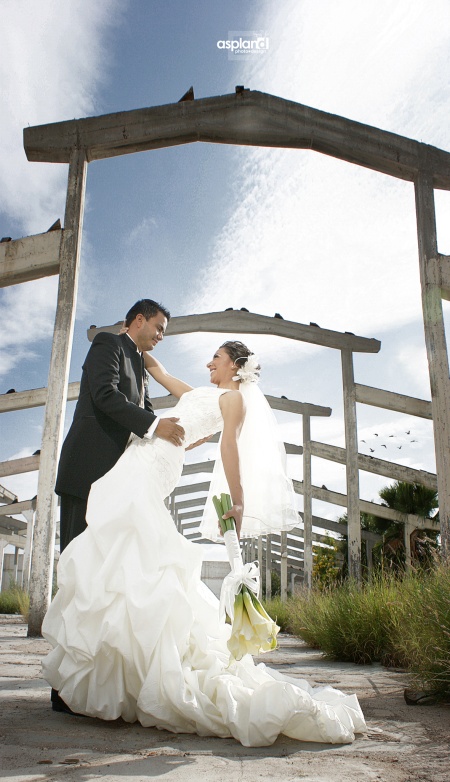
[[169, 429]]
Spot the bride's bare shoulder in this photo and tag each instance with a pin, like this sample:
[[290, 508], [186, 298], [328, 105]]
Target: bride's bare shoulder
[[232, 400]]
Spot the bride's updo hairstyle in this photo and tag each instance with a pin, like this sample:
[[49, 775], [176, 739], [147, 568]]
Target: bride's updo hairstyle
[[239, 354]]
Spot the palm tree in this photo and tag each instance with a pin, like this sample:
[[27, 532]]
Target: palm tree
[[390, 551], [420, 501]]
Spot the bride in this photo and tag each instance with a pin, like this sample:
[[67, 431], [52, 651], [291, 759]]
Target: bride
[[135, 633]]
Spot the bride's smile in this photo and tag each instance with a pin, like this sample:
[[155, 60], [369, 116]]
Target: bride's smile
[[222, 369]]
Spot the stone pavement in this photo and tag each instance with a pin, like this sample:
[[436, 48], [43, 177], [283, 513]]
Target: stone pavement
[[403, 743]]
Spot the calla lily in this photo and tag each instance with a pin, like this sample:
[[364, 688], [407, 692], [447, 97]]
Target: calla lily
[[252, 631]]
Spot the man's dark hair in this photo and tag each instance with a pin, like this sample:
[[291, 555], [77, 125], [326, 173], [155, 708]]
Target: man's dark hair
[[146, 307]]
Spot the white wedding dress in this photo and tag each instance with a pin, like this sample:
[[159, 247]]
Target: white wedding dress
[[136, 634]]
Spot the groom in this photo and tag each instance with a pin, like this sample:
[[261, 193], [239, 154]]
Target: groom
[[113, 402]]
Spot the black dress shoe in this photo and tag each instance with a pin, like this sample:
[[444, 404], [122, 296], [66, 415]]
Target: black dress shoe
[[59, 705]]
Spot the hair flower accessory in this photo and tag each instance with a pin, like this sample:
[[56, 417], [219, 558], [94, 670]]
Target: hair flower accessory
[[248, 372]]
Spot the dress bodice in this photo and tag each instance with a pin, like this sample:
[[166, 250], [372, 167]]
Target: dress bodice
[[199, 413]]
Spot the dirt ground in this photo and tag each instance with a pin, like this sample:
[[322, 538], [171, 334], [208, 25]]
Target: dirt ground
[[402, 744]]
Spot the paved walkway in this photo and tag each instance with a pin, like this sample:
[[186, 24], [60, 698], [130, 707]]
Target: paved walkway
[[403, 743]]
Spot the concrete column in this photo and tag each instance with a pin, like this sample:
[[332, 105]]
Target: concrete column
[[407, 530], [351, 447], [29, 515], [45, 524], [435, 340], [260, 560], [307, 502], [268, 567], [283, 566], [3, 544]]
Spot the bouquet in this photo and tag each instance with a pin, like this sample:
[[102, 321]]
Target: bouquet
[[252, 629]]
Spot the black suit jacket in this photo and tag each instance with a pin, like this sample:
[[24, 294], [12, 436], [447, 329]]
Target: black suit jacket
[[107, 412]]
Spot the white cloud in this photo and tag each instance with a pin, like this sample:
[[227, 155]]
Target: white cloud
[[40, 89], [312, 237]]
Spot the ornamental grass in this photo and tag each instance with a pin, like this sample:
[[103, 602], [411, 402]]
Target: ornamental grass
[[15, 600], [398, 622]]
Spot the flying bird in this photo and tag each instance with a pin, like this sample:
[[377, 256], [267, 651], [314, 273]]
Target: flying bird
[[408, 432], [414, 441], [371, 450], [399, 447], [383, 446], [391, 435], [362, 441], [375, 434]]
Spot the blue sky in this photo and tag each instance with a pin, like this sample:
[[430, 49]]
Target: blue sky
[[204, 227]]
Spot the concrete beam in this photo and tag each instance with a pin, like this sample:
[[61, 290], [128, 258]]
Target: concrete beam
[[444, 262], [238, 322], [29, 258], [34, 397], [7, 496], [383, 512], [249, 118], [17, 507], [18, 466], [388, 400], [378, 466]]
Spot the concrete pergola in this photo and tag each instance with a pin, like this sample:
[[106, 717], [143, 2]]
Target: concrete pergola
[[246, 118]]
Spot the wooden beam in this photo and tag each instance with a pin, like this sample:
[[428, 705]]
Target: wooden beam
[[249, 118], [238, 322], [388, 400], [398, 472], [29, 258]]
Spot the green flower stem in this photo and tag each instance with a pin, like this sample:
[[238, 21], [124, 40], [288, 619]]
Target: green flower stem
[[223, 505]]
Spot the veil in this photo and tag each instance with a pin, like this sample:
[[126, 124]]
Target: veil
[[269, 497]]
